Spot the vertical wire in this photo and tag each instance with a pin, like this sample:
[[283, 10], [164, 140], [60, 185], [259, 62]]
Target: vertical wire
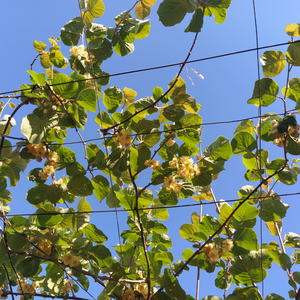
[[259, 133]]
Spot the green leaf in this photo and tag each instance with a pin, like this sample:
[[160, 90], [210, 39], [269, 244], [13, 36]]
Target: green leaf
[[191, 121], [287, 176], [58, 59], [168, 197], [101, 187], [293, 54], [94, 234], [171, 285], [245, 294], [118, 160], [196, 22], [272, 210], [273, 296], [188, 149], [160, 213], [178, 88], [245, 212], [84, 206], [243, 143], [222, 281], [112, 98], [12, 169], [87, 99], [80, 186], [293, 90], [100, 48], [273, 62], [218, 8], [37, 78], [187, 102], [253, 161], [104, 120], [41, 193], [246, 238], [29, 266], [35, 125], [265, 91], [54, 279], [246, 125], [220, 148], [209, 225], [122, 47], [173, 113], [64, 86], [70, 33], [172, 12], [45, 60], [187, 231]]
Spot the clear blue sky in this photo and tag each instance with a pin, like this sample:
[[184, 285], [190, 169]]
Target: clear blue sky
[[223, 93]]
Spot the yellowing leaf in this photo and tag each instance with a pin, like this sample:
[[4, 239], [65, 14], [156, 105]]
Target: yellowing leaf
[[45, 60], [51, 73], [53, 41], [39, 46], [87, 17], [95, 8], [129, 93], [142, 11], [293, 29], [12, 105], [148, 3], [178, 88]]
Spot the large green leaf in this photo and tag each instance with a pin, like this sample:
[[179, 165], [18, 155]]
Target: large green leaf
[[273, 62], [35, 125], [220, 148], [245, 294], [80, 186], [218, 8], [293, 90], [122, 47], [71, 32], [101, 187], [264, 93], [94, 234], [272, 210], [172, 12], [112, 98], [243, 143], [196, 22], [246, 238], [245, 212], [172, 286], [41, 193], [87, 99], [29, 266], [64, 86], [293, 54]]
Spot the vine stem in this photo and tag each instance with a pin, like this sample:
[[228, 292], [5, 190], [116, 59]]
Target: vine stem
[[289, 271], [142, 232]]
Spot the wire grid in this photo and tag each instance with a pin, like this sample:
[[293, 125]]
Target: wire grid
[[211, 123]]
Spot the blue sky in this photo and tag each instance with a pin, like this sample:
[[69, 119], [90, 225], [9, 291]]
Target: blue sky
[[223, 93]]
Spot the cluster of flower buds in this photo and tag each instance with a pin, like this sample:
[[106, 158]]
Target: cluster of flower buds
[[185, 166], [45, 247], [82, 52], [123, 138], [25, 287], [214, 252], [171, 184], [71, 260], [129, 294], [41, 151], [155, 165], [68, 285], [288, 125]]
